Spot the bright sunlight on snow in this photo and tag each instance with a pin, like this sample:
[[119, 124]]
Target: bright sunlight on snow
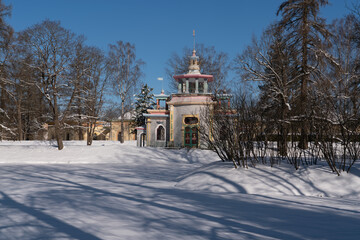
[[114, 191]]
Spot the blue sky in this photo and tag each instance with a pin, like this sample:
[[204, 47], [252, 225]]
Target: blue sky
[[159, 27]]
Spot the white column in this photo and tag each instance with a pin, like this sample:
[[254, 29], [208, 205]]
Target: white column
[[197, 86]]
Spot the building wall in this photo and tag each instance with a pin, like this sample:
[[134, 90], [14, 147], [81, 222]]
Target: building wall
[[103, 131], [116, 129], [152, 125], [179, 113]]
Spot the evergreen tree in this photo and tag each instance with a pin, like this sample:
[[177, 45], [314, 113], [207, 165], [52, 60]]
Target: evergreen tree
[[144, 101], [306, 32]]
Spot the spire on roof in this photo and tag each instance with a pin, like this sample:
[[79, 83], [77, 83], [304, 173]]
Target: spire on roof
[[194, 67], [194, 42]]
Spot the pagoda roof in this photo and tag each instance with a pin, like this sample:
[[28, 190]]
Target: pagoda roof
[[210, 78]]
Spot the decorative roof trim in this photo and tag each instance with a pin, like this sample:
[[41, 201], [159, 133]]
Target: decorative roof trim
[[192, 103], [156, 115], [210, 78]]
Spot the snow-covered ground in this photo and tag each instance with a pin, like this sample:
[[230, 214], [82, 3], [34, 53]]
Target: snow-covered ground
[[114, 191]]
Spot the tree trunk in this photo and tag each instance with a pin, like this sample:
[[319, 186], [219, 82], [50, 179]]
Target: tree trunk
[[80, 132], [19, 121], [89, 139], [122, 121], [283, 141], [2, 106], [283, 131], [90, 134], [58, 133], [303, 143], [58, 130]]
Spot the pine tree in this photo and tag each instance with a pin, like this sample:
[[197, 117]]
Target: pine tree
[[144, 101], [306, 32]]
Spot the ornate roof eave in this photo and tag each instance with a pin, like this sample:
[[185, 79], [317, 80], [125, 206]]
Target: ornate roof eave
[[161, 96], [210, 78], [156, 115]]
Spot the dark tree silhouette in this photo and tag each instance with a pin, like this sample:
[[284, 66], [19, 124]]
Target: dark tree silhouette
[[305, 32]]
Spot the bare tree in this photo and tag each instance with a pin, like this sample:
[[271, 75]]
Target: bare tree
[[232, 132], [338, 101], [92, 89], [6, 38], [270, 63], [88, 70], [27, 104], [16, 86], [52, 48], [124, 72]]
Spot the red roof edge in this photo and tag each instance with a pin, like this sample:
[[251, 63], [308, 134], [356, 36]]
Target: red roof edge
[[210, 78]]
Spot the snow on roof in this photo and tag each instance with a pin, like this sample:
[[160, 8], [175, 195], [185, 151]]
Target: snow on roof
[[128, 115]]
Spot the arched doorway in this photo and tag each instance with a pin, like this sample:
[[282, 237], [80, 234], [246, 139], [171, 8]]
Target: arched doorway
[[191, 137], [119, 136]]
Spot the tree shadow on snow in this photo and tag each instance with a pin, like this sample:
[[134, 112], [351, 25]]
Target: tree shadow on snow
[[165, 212], [57, 224]]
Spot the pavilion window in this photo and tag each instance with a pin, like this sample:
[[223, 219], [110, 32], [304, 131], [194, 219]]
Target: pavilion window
[[201, 87], [160, 133], [191, 120], [192, 87]]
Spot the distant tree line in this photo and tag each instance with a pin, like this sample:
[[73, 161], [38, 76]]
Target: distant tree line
[[301, 79], [49, 75], [306, 100]]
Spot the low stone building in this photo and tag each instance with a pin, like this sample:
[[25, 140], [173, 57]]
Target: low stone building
[[104, 130]]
